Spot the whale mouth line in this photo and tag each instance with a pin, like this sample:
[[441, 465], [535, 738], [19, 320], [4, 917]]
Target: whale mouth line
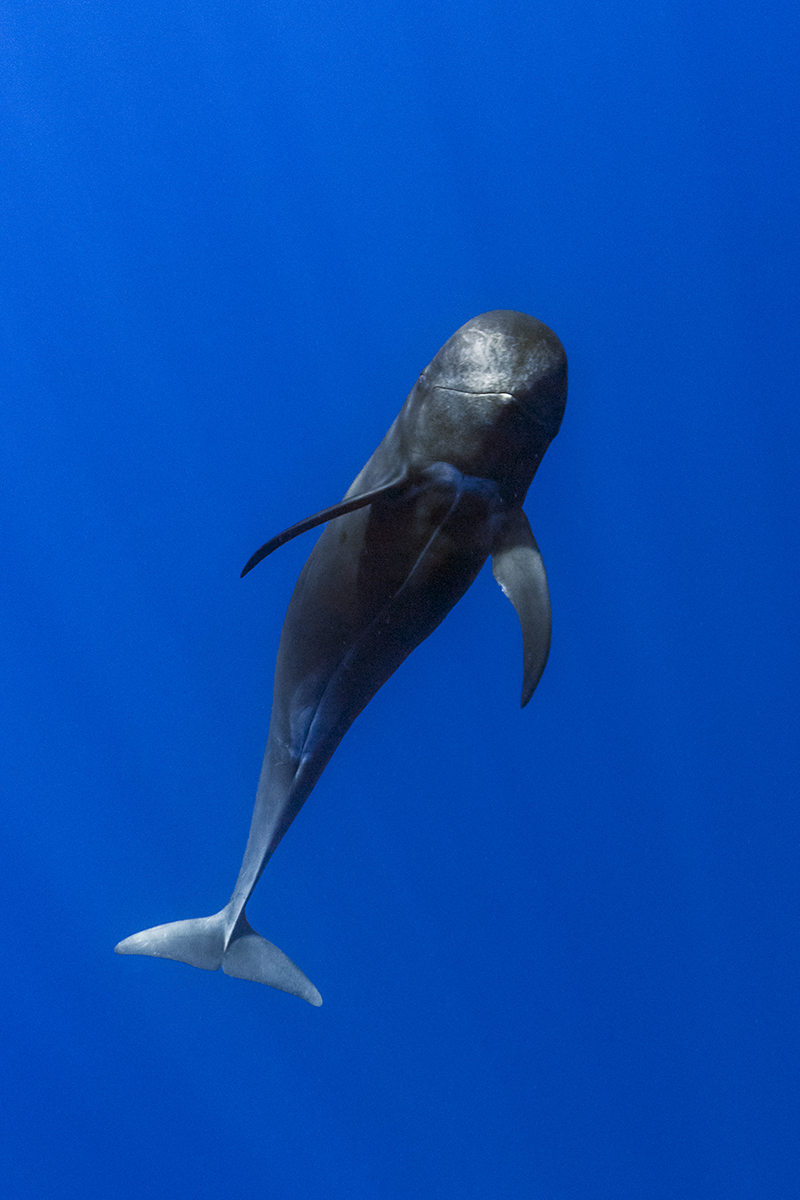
[[465, 392]]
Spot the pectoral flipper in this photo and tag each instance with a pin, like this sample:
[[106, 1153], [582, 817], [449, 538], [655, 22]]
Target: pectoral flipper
[[518, 568]]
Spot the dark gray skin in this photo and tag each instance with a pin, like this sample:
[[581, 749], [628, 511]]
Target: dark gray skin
[[442, 492]]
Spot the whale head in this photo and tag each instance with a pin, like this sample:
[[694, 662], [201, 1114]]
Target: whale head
[[490, 402]]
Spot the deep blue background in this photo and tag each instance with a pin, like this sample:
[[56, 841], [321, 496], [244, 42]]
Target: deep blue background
[[558, 948]]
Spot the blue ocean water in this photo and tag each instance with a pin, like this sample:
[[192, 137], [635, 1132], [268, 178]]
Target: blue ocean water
[[558, 948]]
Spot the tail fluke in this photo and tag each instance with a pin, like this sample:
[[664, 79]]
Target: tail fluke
[[250, 956], [200, 942], [203, 942]]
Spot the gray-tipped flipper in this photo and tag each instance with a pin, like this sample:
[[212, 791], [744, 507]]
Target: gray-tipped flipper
[[204, 942], [518, 568]]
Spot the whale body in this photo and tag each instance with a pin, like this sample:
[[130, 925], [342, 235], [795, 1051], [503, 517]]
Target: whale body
[[442, 492]]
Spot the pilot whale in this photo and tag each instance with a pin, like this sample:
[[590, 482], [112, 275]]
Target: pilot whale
[[442, 492]]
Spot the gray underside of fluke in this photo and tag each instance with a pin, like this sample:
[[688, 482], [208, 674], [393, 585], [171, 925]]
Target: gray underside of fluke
[[203, 942]]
